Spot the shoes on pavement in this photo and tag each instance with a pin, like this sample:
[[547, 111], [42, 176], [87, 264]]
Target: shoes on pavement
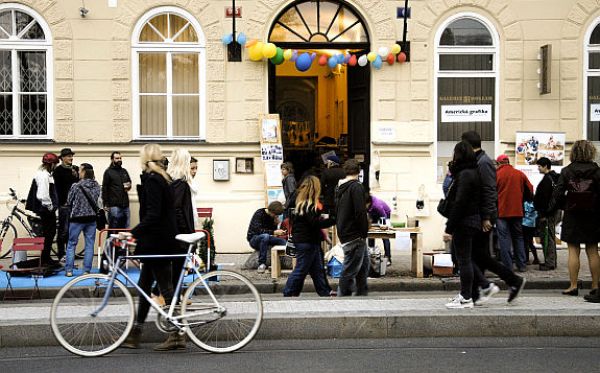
[[544, 267], [69, 274], [333, 293], [389, 262], [514, 291], [592, 298], [535, 261], [133, 339], [459, 302], [262, 268], [572, 292], [594, 291], [486, 293], [175, 341]]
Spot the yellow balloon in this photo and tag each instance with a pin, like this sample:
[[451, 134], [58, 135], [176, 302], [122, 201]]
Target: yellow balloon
[[255, 53], [269, 50], [287, 54], [372, 56], [396, 49]]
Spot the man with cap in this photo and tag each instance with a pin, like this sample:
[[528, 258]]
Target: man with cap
[[65, 175], [513, 189], [329, 181]]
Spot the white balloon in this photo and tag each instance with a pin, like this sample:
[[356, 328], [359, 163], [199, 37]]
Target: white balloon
[[362, 60], [384, 51]]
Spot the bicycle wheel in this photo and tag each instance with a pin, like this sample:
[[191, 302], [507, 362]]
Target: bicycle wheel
[[227, 329], [7, 236], [82, 333]]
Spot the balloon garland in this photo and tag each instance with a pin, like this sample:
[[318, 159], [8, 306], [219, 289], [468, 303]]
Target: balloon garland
[[258, 51]]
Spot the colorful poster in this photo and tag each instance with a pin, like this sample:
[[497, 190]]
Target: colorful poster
[[531, 146], [466, 113]]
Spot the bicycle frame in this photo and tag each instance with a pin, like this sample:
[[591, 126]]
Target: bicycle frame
[[19, 214]]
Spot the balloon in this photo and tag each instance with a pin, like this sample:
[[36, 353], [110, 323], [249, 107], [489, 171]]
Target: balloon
[[269, 50], [241, 38], [227, 39], [287, 54], [340, 58], [384, 51], [251, 43], [371, 56], [362, 61], [323, 60], [303, 62], [353, 60], [391, 59], [377, 63], [333, 61], [347, 58], [396, 49], [278, 58], [313, 56], [401, 57], [294, 55], [255, 52]]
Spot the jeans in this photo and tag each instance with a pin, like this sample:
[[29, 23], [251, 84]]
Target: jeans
[[462, 240], [263, 243], [386, 246], [118, 217], [510, 233], [355, 269], [484, 261], [89, 234], [308, 261], [62, 235]]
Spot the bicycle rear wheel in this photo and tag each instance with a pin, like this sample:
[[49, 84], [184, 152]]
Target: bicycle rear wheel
[[77, 329], [227, 329], [7, 236]]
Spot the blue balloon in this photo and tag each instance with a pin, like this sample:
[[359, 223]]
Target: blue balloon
[[241, 39], [303, 62], [227, 39], [332, 62], [340, 58], [378, 63], [347, 58]]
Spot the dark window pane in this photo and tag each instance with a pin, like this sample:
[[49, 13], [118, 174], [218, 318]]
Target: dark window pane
[[6, 115], [5, 24], [595, 60], [593, 124], [462, 62], [595, 38], [23, 20], [35, 32], [466, 32], [33, 115], [33, 71], [5, 72]]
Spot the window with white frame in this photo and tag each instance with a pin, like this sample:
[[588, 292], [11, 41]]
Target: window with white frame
[[168, 76], [466, 69], [25, 74], [592, 72]]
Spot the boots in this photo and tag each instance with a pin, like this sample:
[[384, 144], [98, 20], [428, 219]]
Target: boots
[[134, 337], [173, 342]]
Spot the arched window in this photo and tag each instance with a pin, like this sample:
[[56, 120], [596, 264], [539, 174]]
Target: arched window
[[466, 73], [592, 81], [169, 76], [25, 73]]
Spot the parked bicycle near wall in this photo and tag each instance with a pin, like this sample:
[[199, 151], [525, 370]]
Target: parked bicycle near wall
[[29, 222], [221, 311]]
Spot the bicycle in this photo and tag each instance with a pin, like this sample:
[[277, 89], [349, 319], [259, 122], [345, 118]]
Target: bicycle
[[221, 311], [8, 232]]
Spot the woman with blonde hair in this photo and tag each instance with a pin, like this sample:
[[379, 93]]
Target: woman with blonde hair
[[306, 223], [577, 192]]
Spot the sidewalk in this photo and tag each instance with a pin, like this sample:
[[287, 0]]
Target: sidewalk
[[382, 315]]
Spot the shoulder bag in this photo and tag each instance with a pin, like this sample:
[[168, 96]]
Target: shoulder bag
[[100, 214]]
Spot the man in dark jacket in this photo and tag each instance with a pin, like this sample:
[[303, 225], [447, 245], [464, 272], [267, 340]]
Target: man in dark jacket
[[115, 185], [547, 220], [329, 181], [65, 175], [262, 231], [352, 227]]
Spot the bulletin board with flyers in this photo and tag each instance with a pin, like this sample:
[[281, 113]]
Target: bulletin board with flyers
[[271, 153]]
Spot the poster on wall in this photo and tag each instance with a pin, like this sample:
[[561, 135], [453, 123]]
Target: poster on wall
[[531, 146], [273, 174], [466, 113], [595, 113], [271, 152], [270, 128], [275, 194]]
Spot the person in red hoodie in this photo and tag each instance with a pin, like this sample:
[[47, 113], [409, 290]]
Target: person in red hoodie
[[513, 189]]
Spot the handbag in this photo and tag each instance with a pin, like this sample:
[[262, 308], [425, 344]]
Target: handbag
[[444, 206], [100, 214], [290, 246]]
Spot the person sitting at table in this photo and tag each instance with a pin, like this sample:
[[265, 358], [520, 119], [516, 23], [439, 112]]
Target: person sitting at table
[[262, 232], [377, 210]]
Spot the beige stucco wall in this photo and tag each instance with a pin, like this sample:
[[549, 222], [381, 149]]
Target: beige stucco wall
[[93, 111]]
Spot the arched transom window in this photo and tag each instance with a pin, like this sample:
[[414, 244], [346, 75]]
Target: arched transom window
[[592, 72], [169, 76], [25, 73]]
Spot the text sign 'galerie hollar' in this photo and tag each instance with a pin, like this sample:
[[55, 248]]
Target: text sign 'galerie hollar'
[[466, 113]]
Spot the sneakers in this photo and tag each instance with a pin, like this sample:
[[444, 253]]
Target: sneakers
[[69, 274], [514, 291], [460, 302], [487, 293], [262, 268], [389, 262]]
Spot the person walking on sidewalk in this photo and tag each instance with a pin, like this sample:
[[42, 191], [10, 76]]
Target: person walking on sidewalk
[[377, 210], [513, 189], [306, 223], [578, 193], [547, 220], [65, 175], [488, 211], [352, 226], [288, 182], [116, 183], [262, 231], [81, 199]]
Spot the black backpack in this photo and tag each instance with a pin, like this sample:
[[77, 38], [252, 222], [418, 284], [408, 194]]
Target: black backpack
[[581, 195], [33, 204]]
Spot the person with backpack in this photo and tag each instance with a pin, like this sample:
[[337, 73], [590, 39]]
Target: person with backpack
[[546, 221], [577, 193]]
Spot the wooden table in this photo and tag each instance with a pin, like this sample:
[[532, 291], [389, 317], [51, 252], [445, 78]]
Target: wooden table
[[416, 236]]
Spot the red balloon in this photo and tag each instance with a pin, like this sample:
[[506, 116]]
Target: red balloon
[[353, 60], [401, 57], [391, 59], [323, 60]]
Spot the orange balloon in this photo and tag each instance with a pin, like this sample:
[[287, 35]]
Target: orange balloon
[[391, 59], [251, 43], [323, 60], [401, 57], [353, 60]]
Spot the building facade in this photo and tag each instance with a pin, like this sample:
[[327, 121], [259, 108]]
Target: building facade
[[138, 71]]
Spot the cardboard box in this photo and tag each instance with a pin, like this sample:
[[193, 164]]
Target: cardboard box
[[439, 264]]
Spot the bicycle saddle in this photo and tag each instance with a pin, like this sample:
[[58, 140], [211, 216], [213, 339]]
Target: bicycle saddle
[[190, 237]]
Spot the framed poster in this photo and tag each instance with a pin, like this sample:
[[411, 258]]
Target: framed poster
[[531, 146], [270, 128], [244, 165], [221, 169], [273, 174], [271, 152]]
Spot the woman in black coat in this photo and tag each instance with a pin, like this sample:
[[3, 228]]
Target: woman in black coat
[[580, 224], [464, 222]]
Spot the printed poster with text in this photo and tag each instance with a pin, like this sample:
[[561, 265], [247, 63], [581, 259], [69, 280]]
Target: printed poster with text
[[531, 146]]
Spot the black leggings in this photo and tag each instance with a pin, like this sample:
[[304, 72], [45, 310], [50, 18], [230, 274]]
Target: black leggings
[[158, 270], [48, 230]]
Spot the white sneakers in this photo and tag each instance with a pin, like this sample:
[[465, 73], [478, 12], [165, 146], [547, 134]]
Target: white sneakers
[[460, 302], [487, 293], [262, 268]]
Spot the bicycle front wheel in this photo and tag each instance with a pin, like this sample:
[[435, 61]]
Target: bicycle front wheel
[[229, 324], [79, 324], [7, 236]]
